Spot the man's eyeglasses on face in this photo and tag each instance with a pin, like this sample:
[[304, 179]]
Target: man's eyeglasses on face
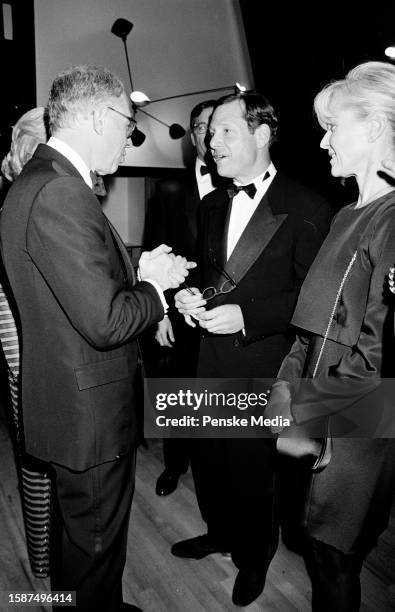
[[200, 128], [132, 122]]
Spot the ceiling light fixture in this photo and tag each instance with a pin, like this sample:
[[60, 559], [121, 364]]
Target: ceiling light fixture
[[122, 28]]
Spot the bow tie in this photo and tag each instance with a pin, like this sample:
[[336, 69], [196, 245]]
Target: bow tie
[[204, 170], [250, 189], [98, 187]]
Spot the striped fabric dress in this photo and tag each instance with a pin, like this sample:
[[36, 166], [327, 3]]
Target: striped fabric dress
[[35, 485]]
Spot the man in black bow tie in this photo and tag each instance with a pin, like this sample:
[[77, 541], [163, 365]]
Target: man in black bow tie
[[172, 218], [81, 309], [259, 238]]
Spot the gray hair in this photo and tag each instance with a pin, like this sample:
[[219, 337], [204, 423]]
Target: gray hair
[[80, 89], [367, 88]]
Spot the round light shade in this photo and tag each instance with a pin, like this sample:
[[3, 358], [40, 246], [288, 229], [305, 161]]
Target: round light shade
[[390, 52], [137, 137], [139, 98], [121, 28], [176, 131]]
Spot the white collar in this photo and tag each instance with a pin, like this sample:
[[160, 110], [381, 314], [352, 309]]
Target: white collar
[[259, 179], [73, 157]]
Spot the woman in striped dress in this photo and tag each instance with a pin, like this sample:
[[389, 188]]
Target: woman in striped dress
[[28, 132]]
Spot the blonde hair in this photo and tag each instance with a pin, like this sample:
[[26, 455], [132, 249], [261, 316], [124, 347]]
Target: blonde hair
[[367, 88], [29, 131]]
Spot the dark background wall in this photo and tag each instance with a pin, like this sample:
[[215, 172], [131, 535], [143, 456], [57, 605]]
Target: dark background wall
[[18, 68], [294, 51]]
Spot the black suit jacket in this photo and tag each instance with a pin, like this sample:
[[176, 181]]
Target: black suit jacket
[[80, 313], [268, 264]]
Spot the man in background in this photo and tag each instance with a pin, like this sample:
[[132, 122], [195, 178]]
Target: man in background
[[259, 239], [172, 218], [81, 310]]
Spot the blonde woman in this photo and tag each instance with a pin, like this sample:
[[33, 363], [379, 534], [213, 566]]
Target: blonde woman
[[28, 132], [344, 306]]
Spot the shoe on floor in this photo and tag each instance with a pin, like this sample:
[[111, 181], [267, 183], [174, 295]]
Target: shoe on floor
[[166, 483], [195, 548], [248, 586]]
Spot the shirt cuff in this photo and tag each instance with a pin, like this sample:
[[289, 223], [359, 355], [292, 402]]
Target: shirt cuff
[[158, 288]]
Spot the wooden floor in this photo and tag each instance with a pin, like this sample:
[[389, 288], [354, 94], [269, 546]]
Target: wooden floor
[[159, 582]]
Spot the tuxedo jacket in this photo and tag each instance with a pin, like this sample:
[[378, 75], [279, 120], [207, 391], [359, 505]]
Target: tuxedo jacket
[[268, 265], [80, 312]]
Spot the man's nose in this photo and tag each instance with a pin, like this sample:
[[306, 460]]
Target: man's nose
[[214, 140], [324, 144]]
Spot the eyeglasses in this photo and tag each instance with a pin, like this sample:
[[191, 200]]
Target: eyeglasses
[[211, 292], [132, 122], [200, 128], [227, 286]]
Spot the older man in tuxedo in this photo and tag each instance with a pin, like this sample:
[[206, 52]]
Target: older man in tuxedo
[[172, 218], [259, 238], [81, 311]]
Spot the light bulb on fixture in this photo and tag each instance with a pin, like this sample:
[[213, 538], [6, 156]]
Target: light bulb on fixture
[[139, 98], [240, 88], [390, 52]]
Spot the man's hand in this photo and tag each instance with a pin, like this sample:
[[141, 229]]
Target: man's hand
[[190, 303], [162, 266], [279, 404], [164, 333], [226, 319]]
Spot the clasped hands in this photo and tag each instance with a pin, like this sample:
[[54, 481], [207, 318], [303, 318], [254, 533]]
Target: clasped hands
[[225, 319], [163, 267]]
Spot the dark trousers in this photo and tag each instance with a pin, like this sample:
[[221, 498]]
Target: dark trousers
[[335, 578], [180, 361], [176, 454], [235, 489], [90, 532]]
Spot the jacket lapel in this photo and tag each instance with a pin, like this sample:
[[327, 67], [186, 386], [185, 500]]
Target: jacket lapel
[[218, 229], [259, 231]]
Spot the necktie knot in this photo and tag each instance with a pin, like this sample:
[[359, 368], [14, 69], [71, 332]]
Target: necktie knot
[[98, 187], [204, 170]]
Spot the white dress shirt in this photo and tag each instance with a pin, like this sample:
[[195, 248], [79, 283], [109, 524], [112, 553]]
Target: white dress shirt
[[204, 182], [73, 157], [76, 160], [243, 207]]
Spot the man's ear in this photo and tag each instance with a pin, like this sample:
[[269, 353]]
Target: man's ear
[[99, 116], [377, 126], [193, 139], [262, 135]]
